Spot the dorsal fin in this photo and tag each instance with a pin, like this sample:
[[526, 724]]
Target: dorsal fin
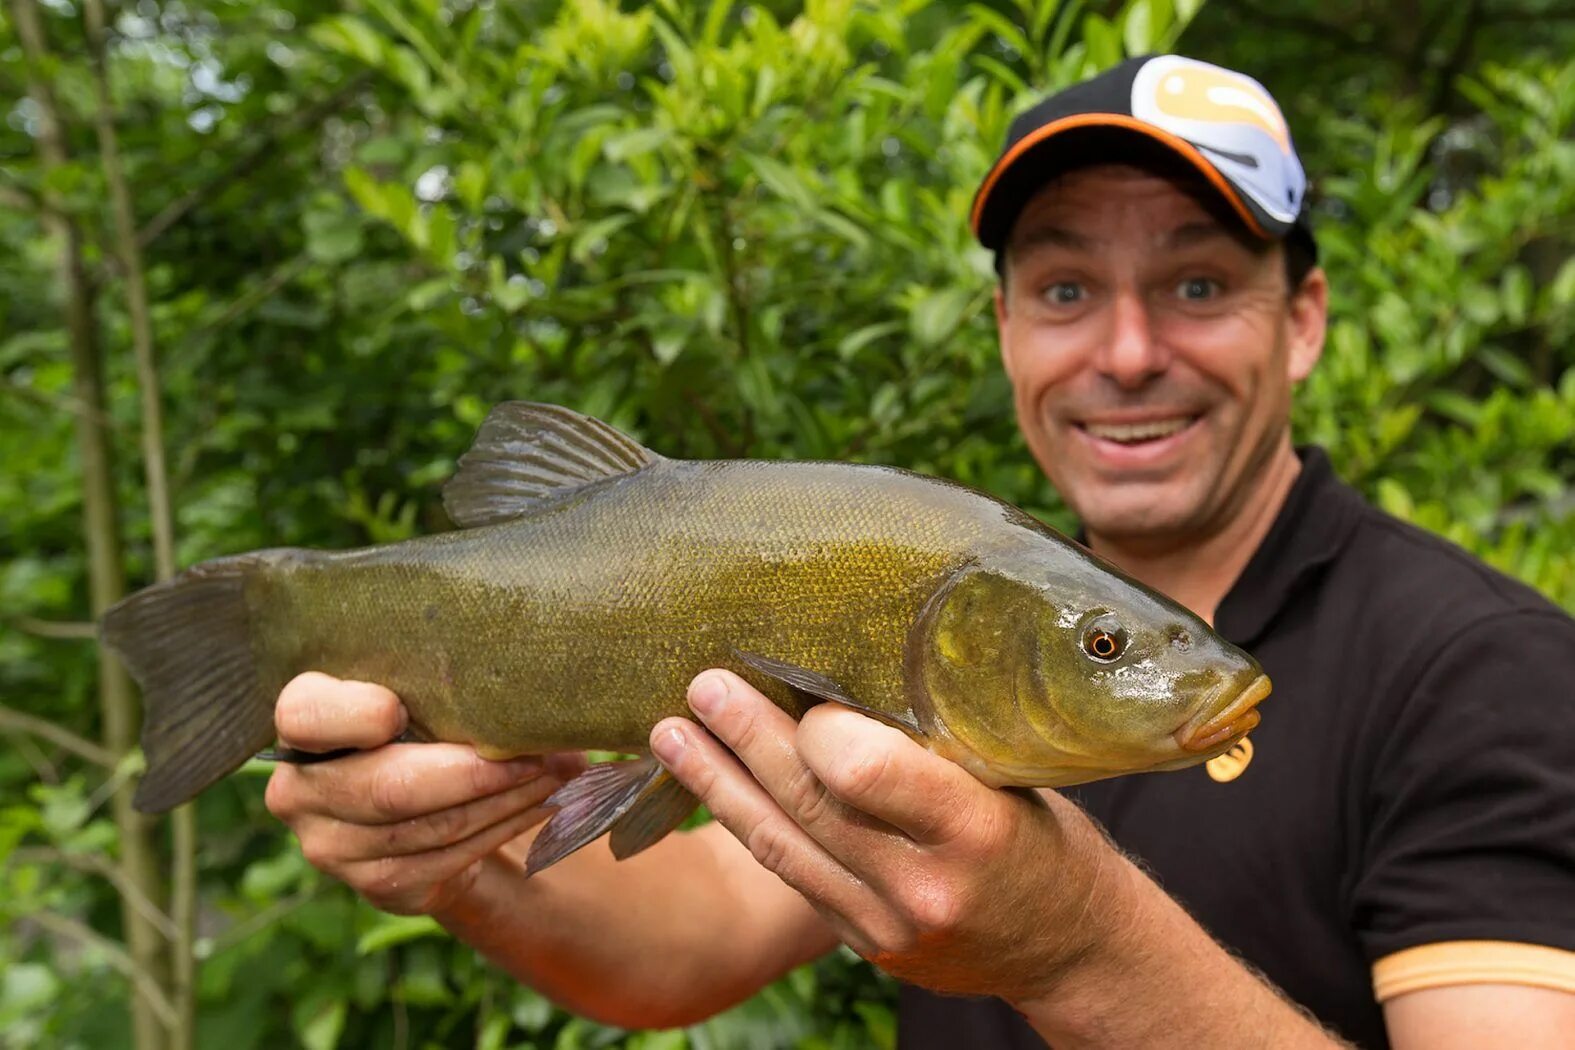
[[527, 454]]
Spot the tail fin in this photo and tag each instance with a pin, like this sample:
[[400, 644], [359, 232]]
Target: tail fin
[[188, 644]]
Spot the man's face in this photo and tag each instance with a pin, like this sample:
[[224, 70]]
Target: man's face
[[1151, 352]]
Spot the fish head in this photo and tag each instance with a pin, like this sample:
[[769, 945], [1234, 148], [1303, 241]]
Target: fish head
[[1049, 672]]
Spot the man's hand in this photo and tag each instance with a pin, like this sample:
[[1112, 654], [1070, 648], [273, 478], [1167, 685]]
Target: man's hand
[[918, 866], [955, 886], [405, 825]]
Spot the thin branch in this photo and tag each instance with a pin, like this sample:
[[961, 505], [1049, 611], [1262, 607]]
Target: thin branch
[[1444, 86], [56, 630], [19, 200], [719, 433], [115, 955], [34, 756], [1315, 28], [1549, 15], [66, 403], [150, 1008], [248, 300], [95, 864], [267, 917], [14, 721], [135, 279], [244, 164]]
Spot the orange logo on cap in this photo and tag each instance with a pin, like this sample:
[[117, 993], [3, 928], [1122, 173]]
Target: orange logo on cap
[[1199, 92]]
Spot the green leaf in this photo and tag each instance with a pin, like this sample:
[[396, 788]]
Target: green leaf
[[858, 339], [320, 1020], [1506, 366], [937, 314], [351, 36], [1137, 28], [783, 181], [390, 930], [333, 235], [1102, 41], [635, 143]]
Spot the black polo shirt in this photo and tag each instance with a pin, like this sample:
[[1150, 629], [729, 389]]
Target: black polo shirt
[[1412, 781]]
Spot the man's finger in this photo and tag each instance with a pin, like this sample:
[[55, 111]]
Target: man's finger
[[317, 712], [741, 805], [332, 842], [879, 770], [394, 783], [417, 882], [763, 736]]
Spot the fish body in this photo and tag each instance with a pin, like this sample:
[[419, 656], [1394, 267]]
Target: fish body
[[579, 626], [595, 579]]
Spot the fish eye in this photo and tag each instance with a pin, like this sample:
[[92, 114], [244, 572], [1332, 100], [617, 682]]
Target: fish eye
[[1105, 640]]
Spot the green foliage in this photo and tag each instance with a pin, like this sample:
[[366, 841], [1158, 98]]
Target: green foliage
[[731, 229]]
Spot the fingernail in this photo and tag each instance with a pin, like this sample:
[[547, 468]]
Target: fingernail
[[566, 765], [668, 746], [527, 766], [707, 693]]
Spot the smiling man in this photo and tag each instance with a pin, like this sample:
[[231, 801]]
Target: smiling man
[[1391, 861]]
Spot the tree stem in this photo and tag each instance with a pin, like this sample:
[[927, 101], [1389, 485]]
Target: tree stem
[[183, 899], [13, 721], [148, 988], [143, 964]]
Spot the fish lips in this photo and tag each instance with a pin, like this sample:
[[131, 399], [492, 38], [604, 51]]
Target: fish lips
[[1207, 730]]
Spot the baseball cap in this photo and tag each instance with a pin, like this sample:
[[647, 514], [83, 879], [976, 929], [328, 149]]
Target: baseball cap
[[1224, 123]]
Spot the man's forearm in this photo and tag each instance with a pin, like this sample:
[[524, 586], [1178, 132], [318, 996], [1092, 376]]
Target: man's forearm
[[635, 942], [1156, 978]]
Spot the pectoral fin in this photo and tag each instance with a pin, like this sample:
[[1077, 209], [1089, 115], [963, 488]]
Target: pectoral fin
[[818, 686], [638, 801]]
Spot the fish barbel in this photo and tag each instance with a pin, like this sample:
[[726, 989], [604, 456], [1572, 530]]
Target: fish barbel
[[591, 579]]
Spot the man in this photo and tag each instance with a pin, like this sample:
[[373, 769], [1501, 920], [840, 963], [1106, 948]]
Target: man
[[1398, 857]]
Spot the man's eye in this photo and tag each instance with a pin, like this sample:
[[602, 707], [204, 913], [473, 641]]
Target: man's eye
[[1197, 289], [1062, 292]]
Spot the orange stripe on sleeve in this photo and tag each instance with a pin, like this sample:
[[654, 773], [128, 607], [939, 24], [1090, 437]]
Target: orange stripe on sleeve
[[1473, 962]]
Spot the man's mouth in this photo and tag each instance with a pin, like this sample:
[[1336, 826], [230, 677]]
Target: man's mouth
[[1136, 433]]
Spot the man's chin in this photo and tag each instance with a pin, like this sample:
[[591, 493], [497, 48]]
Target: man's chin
[[1136, 513]]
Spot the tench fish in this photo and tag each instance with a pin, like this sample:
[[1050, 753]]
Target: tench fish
[[591, 579]]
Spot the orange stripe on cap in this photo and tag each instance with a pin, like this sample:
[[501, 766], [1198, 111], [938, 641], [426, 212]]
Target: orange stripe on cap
[[1112, 120]]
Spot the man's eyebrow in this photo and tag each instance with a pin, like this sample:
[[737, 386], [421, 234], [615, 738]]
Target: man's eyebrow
[[1192, 233], [1053, 236]]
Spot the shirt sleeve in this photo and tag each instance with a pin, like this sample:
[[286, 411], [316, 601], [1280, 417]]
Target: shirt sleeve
[[1471, 806]]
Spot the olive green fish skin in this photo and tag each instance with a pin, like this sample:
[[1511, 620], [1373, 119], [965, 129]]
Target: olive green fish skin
[[580, 623]]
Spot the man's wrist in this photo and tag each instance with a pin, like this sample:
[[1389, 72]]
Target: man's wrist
[[1096, 942], [469, 907]]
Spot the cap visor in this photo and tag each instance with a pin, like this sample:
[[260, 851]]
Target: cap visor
[[1008, 185]]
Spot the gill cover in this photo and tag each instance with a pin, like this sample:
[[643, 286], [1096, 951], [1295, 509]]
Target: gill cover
[[971, 664]]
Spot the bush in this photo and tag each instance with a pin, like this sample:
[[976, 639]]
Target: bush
[[731, 231]]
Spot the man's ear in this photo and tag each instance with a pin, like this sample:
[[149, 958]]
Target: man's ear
[[1000, 326], [1309, 321]]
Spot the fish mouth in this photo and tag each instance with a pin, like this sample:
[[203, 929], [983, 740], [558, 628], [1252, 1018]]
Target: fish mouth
[[1235, 719]]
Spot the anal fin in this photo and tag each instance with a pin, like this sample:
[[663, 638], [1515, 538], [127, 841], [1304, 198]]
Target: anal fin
[[638, 801], [660, 808]]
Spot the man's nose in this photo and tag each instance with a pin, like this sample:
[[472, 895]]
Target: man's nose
[[1132, 355]]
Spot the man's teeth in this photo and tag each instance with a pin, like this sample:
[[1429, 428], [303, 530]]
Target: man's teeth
[[1130, 433]]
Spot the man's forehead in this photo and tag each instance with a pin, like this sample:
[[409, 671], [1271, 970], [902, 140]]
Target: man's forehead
[[1089, 206]]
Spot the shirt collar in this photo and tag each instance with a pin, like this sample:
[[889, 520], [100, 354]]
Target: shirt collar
[[1309, 532]]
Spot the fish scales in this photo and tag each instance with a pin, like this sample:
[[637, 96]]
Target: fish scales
[[579, 626]]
